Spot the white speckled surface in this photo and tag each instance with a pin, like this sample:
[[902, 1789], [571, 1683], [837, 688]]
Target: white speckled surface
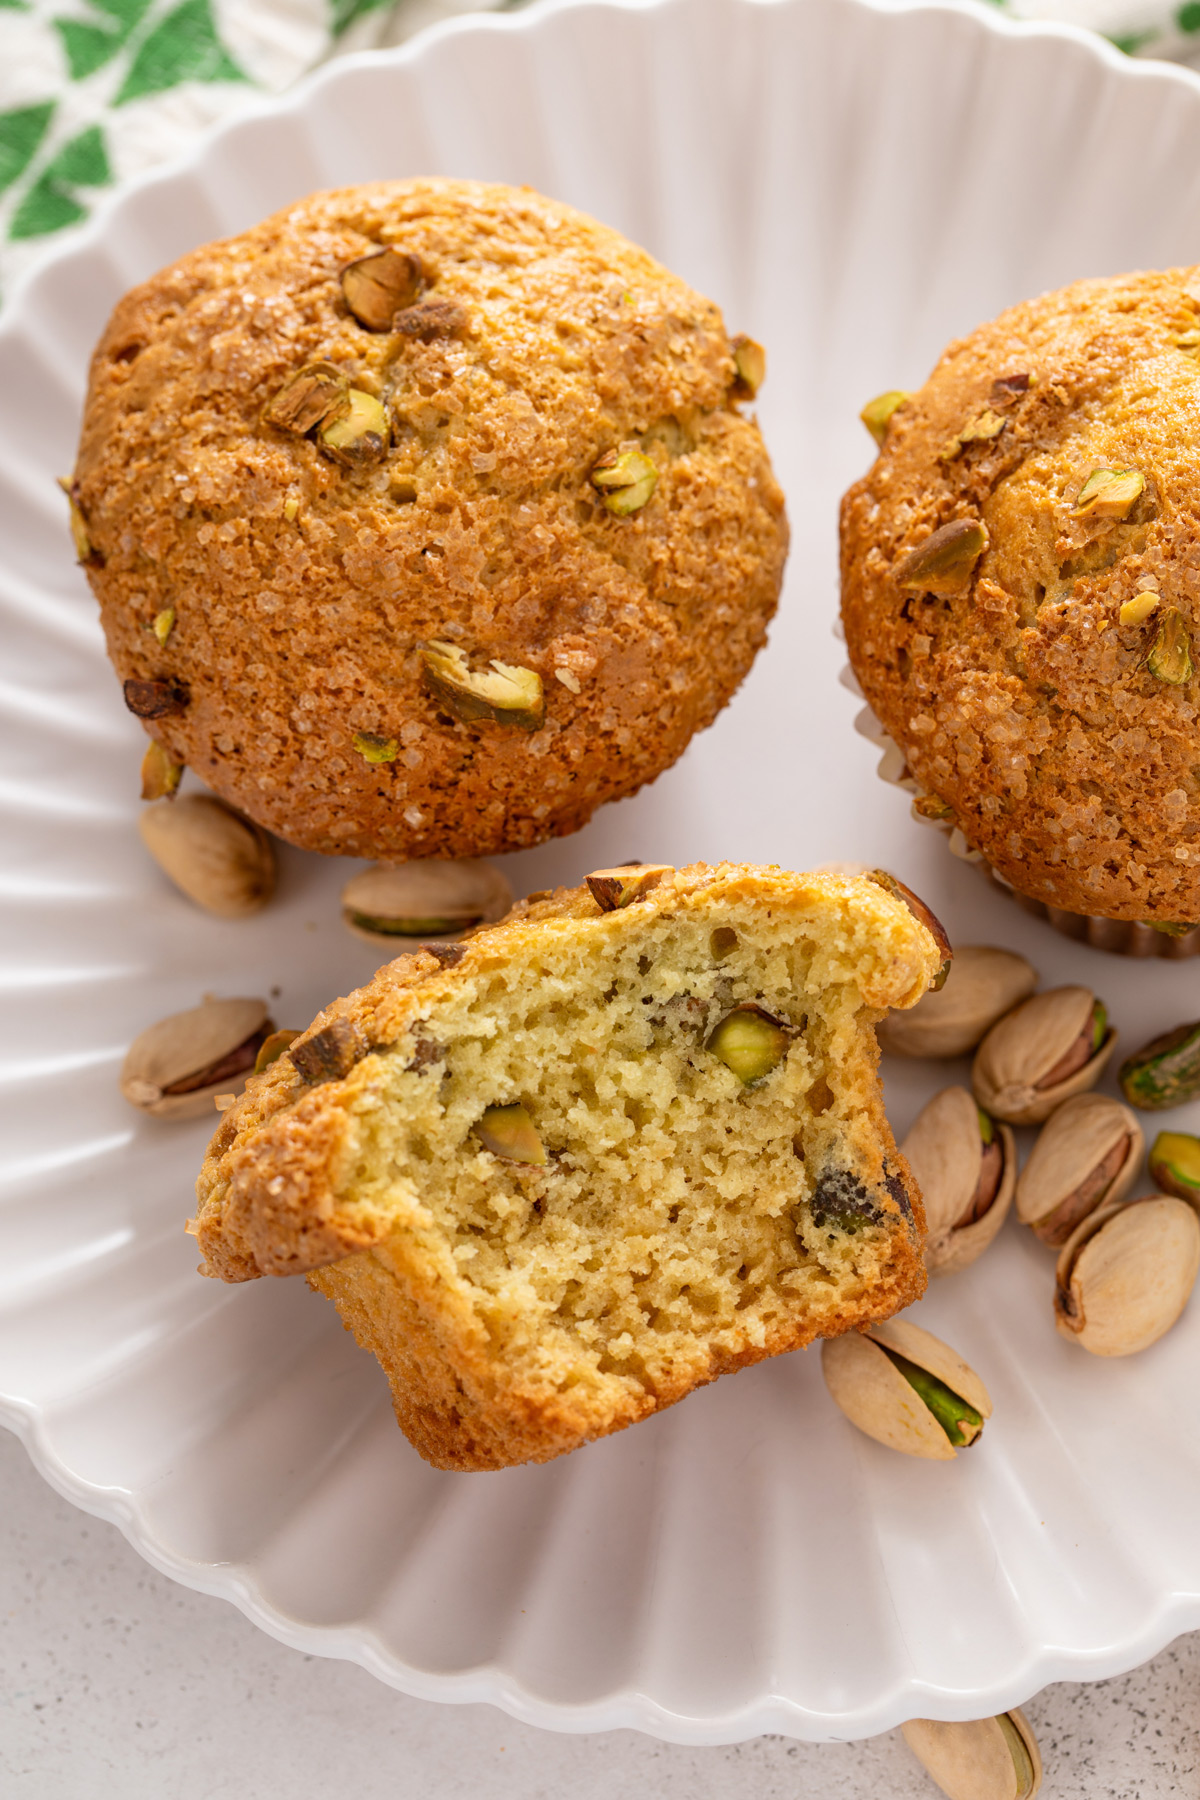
[[117, 1685]]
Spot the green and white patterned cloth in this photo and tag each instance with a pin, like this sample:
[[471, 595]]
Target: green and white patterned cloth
[[94, 91]]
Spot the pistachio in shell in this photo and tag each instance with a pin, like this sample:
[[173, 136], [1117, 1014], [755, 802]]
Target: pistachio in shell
[[175, 1068], [1126, 1274], [906, 1389], [983, 984], [404, 905], [1165, 1072], [1086, 1155], [1175, 1165], [965, 1165], [213, 855], [1048, 1048], [978, 1759]]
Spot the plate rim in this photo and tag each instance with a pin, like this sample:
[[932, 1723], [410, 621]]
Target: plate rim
[[627, 1706]]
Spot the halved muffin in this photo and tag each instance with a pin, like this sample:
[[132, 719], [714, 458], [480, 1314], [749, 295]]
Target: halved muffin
[[627, 1140]]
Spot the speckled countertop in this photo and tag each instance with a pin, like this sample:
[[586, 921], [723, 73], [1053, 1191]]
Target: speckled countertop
[[117, 1685]]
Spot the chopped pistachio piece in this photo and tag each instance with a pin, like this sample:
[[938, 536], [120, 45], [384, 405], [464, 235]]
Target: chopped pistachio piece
[[76, 520], [749, 1042], [331, 1052], [160, 698], [614, 888], [1170, 657], [750, 361], [164, 623], [508, 1132], [1188, 340], [988, 425], [626, 479], [430, 319], [161, 774], [373, 747], [876, 414], [506, 694], [272, 1048], [1175, 1164], [1109, 494], [945, 562], [291, 508], [312, 396], [1138, 610], [359, 435], [378, 286]]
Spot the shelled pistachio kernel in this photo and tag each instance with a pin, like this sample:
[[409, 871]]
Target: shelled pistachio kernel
[[906, 1389], [509, 1133], [161, 774], [613, 889], [374, 747], [359, 435], [1170, 656], [505, 693], [1126, 1274], [378, 286], [1175, 1164], [749, 1041], [978, 1759], [425, 899], [76, 521], [626, 479], [1109, 494], [750, 362], [1165, 1072], [1139, 609], [272, 1048], [945, 562], [876, 414], [312, 396], [174, 1068]]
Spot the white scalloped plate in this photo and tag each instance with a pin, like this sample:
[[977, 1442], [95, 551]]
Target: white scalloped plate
[[854, 183]]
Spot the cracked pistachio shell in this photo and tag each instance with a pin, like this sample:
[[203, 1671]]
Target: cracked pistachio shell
[[210, 1044], [1019, 1051], [1086, 1155], [944, 1150], [1126, 1274], [405, 905], [978, 1759], [216, 857], [868, 1387], [983, 984]]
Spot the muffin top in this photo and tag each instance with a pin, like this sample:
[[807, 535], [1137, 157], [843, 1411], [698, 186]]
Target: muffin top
[[318, 511], [1035, 658]]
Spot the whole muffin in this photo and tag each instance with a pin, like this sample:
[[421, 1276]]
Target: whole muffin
[[1021, 593], [423, 517]]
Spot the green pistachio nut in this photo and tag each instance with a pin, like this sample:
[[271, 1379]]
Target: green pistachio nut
[[1165, 1072], [750, 1042], [1175, 1164], [508, 1132], [876, 414], [626, 479]]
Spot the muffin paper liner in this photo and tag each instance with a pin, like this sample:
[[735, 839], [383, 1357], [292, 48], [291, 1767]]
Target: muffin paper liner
[[1120, 937]]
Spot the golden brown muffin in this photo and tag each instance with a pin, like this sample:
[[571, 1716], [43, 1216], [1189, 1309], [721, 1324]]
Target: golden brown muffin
[[1043, 692], [271, 563], [560, 1175]]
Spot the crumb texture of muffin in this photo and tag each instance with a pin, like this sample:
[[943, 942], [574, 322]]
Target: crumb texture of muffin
[[1044, 690], [274, 561], [674, 1219]]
